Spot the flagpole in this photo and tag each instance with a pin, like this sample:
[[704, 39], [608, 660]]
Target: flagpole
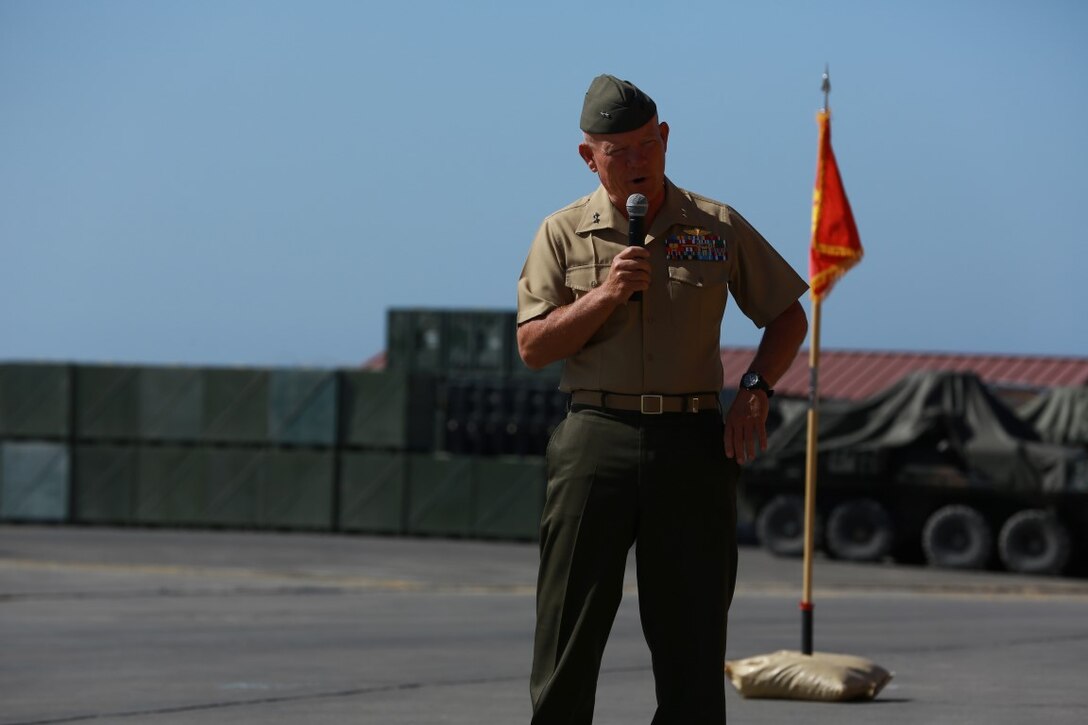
[[835, 248], [810, 448], [810, 477]]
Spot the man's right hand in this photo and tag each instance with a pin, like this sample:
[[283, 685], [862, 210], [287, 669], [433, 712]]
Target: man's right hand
[[563, 331], [629, 273]]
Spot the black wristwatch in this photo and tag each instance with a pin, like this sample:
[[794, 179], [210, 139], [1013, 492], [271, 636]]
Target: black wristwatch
[[752, 381]]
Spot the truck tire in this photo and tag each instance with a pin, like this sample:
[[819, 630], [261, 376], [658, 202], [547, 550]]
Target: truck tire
[[1034, 542], [957, 537], [780, 526], [859, 529]]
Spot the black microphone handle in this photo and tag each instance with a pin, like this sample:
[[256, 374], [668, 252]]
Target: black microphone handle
[[635, 238]]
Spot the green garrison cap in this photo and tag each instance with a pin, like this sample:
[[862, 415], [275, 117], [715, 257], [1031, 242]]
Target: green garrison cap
[[615, 106]]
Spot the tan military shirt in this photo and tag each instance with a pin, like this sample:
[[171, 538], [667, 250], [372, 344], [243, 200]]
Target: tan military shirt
[[700, 250]]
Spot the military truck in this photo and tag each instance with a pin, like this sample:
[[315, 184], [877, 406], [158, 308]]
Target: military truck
[[1059, 415], [935, 468]]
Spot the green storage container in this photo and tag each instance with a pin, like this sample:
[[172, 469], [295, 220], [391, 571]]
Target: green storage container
[[172, 486], [372, 492], [33, 481], [235, 480], [171, 404], [107, 403], [440, 495], [34, 400], [416, 341], [451, 342], [107, 482], [235, 406], [389, 410], [298, 490], [509, 497], [235, 487], [479, 342], [302, 407]]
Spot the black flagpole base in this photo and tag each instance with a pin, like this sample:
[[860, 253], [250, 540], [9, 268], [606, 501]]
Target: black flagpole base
[[806, 628]]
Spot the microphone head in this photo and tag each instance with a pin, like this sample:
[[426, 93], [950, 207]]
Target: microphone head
[[637, 205]]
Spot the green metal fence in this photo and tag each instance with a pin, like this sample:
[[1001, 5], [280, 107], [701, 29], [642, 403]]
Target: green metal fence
[[34, 481], [384, 452], [373, 491], [35, 400]]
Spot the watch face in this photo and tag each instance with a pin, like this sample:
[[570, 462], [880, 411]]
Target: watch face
[[750, 380]]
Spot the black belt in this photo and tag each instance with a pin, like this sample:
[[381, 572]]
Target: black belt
[[646, 404]]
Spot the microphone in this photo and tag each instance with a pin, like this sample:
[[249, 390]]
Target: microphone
[[637, 205]]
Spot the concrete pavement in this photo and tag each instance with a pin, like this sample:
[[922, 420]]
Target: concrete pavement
[[170, 627]]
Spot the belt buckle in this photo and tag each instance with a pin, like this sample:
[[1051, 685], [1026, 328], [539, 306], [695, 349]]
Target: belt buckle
[[660, 404]]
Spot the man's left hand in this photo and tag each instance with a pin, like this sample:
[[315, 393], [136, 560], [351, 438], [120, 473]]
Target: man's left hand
[[746, 425]]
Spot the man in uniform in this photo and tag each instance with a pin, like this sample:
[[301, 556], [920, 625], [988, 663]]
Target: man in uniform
[[644, 456]]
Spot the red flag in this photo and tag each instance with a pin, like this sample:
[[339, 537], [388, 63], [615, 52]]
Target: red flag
[[836, 246]]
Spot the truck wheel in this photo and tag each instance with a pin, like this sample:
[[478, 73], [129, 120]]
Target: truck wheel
[[1034, 542], [859, 530], [957, 537], [780, 526]]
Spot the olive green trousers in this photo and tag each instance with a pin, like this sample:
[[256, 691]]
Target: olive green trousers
[[664, 484]]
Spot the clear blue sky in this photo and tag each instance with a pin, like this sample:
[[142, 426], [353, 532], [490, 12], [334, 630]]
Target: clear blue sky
[[256, 182]]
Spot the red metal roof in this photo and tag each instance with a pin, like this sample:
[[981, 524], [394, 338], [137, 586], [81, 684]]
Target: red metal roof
[[376, 362], [857, 374], [854, 374]]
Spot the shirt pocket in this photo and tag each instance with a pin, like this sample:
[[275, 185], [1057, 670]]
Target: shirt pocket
[[696, 275], [698, 292], [584, 278], [686, 277]]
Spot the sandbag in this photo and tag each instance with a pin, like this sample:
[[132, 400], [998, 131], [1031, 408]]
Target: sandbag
[[823, 676]]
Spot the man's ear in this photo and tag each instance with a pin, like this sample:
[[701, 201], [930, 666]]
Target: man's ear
[[586, 152], [664, 127]]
